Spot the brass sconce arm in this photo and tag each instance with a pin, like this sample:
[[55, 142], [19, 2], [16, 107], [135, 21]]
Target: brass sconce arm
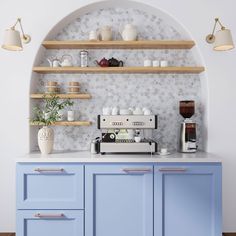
[[210, 38], [25, 37]]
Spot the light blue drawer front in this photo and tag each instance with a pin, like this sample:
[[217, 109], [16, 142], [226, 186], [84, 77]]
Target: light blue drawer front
[[50, 186], [187, 200], [50, 223]]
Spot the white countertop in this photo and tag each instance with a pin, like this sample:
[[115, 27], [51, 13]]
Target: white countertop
[[87, 157]]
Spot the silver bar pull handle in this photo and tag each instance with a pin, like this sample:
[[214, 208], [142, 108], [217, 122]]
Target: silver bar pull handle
[[59, 170], [39, 215], [173, 169], [137, 170]]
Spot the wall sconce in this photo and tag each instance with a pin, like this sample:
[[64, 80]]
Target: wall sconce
[[12, 38], [222, 39]]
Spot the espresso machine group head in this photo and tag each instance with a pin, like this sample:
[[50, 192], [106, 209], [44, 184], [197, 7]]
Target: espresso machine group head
[[115, 139]]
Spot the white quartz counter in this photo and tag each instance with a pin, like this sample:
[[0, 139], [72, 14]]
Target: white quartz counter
[[87, 157]]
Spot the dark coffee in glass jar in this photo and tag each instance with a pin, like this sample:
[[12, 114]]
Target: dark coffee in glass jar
[[186, 108]]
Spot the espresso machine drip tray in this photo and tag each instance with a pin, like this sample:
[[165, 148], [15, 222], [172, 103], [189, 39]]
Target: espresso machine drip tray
[[128, 147], [125, 141]]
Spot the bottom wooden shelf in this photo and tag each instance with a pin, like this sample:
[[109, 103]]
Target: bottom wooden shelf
[[62, 96], [65, 123]]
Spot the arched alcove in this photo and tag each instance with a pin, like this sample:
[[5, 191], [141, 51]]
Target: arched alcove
[[159, 92]]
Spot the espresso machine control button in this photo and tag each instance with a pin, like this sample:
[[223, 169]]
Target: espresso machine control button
[[137, 123], [117, 123]]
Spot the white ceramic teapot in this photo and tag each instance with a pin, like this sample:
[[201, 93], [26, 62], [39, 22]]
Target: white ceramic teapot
[[66, 60], [129, 33]]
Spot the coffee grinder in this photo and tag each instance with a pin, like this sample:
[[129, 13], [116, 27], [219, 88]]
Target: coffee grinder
[[188, 135]]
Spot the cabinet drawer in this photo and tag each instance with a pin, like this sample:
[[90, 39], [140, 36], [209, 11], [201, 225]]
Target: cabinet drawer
[[50, 186], [50, 223]]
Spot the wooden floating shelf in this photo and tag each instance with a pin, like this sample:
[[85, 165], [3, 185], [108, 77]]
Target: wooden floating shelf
[[142, 44], [119, 70], [65, 123], [62, 96]]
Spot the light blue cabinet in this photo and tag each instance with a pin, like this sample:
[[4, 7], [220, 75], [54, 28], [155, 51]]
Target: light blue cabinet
[[119, 200], [155, 199], [50, 223], [187, 200]]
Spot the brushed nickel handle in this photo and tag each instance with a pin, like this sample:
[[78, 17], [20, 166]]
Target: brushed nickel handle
[[60, 170], [173, 169], [137, 170], [39, 215]]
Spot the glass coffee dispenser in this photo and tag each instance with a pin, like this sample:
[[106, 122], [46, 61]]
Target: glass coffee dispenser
[[187, 142]]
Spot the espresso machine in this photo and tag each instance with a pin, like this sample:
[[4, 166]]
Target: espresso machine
[[127, 133], [187, 142]]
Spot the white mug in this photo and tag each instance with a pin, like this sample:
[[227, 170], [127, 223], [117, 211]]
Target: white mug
[[130, 133], [138, 111], [163, 151], [115, 111], [147, 62], [70, 115], [156, 63], [164, 63], [147, 112], [137, 139], [106, 111]]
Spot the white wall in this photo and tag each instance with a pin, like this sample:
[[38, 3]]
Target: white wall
[[40, 16]]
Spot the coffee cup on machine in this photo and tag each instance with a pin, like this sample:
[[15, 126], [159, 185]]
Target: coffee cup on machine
[[137, 139], [164, 151]]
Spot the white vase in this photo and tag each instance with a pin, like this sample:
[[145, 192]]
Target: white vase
[[129, 33], [45, 140]]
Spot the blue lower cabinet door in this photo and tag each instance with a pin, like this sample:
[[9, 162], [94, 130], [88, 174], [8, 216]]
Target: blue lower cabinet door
[[50, 186], [50, 223], [119, 200], [187, 200]]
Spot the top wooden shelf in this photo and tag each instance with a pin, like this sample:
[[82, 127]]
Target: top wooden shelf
[[142, 44]]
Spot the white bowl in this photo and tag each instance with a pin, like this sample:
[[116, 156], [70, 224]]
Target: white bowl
[[125, 112], [138, 112]]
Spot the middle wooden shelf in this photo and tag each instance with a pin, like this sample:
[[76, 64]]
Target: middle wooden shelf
[[120, 70]]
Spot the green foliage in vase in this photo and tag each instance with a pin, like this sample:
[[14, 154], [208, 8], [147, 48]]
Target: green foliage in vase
[[49, 112]]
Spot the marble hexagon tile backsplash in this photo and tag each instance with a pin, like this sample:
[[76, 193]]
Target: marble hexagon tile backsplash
[[159, 92]]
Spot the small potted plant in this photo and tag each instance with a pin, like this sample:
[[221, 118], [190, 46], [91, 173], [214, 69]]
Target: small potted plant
[[46, 115]]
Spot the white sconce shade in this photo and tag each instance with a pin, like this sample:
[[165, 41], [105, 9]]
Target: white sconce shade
[[223, 40], [12, 40]]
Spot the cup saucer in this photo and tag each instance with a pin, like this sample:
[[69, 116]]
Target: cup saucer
[[163, 153]]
